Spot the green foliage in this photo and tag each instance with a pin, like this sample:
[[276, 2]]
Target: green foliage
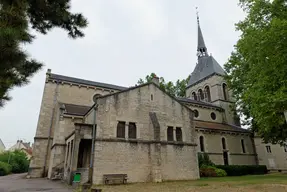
[[175, 89], [5, 168], [203, 160], [211, 171], [220, 172], [257, 68], [17, 159], [16, 66], [239, 170]]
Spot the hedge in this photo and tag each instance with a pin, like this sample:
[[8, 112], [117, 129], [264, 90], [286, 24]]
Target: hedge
[[238, 170], [210, 171], [5, 168]]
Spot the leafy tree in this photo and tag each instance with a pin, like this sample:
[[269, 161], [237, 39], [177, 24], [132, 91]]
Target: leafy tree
[[16, 67], [177, 89], [17, 159], [257, 69]]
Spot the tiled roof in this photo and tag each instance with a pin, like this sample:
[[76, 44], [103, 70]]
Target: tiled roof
[[79, 110], [84, 82], [198, 102], [219, 126]]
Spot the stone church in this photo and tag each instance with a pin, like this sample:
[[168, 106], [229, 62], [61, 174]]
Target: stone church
[[97, 128]]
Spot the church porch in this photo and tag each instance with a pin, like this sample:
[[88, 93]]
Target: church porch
[[78, 153]]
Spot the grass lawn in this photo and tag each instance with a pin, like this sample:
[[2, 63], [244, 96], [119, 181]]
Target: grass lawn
[[251, 183]]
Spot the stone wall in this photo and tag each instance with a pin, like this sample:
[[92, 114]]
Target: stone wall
[[274, 160], [215, 83], [213, 146], [64, 92], [147, 157], [204, 114]]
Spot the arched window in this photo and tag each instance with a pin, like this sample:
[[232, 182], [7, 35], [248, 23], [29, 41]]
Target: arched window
[[242, 146], [194, 96], [201, 143], [223, 143], [178, 133], [200, 94], [170, 133], [207, 91], [121, 129], [196, 114], [225, 93]]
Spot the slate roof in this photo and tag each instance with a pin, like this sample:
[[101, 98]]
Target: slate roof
[[205, 67], [219, 126], [79, 110], [84, 82], [200, 40], [198, 102]]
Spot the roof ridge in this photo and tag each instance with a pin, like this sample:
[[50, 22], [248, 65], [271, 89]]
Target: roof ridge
[[84, 81]]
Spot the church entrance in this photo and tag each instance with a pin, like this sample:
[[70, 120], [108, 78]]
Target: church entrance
[[225, 158]]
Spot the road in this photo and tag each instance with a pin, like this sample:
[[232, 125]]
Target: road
[[18, 183]]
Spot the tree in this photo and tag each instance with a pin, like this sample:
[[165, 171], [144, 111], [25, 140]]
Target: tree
[[177, 89], [17, 159], [16, 67], [257, 68]]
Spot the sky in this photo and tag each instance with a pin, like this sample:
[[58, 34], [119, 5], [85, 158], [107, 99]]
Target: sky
[[124, 41]]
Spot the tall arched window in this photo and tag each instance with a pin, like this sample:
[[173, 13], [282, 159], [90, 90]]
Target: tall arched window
[[242, 146], [223, 143], [207, 91], [200, 94], [201, 143], [225, 93], [194, 96]]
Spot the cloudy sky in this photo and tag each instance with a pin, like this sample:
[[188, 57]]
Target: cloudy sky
[[125, 40]]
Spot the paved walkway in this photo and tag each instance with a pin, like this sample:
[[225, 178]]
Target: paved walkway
[[18, 183]]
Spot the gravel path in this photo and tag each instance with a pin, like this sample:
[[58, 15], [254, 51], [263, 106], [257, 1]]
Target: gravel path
[[18, 183]]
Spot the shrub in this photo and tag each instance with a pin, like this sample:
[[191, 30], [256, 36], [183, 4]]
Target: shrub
[[211, 171], [203, 160], [238, 170], [17, 159], [5, 168], [220, 172], [207, 171]]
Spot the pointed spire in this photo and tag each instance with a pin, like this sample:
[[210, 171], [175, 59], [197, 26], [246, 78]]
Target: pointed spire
[[201, 48]]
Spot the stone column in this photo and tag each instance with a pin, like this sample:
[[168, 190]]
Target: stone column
[[127, 130], [174, 133], [156, 150]]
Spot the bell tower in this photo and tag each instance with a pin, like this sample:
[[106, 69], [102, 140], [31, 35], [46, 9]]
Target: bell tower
[[207, 83]]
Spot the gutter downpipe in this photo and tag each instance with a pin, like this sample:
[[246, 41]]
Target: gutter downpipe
[[50, 128], [91, 170]]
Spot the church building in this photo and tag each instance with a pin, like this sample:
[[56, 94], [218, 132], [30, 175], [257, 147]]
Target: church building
[[96, 128]]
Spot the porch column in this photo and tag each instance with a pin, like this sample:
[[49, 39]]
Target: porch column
[[75, 153]]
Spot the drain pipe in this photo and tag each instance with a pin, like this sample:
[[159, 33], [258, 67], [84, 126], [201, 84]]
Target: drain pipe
[[91, 170], [50, 128]]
